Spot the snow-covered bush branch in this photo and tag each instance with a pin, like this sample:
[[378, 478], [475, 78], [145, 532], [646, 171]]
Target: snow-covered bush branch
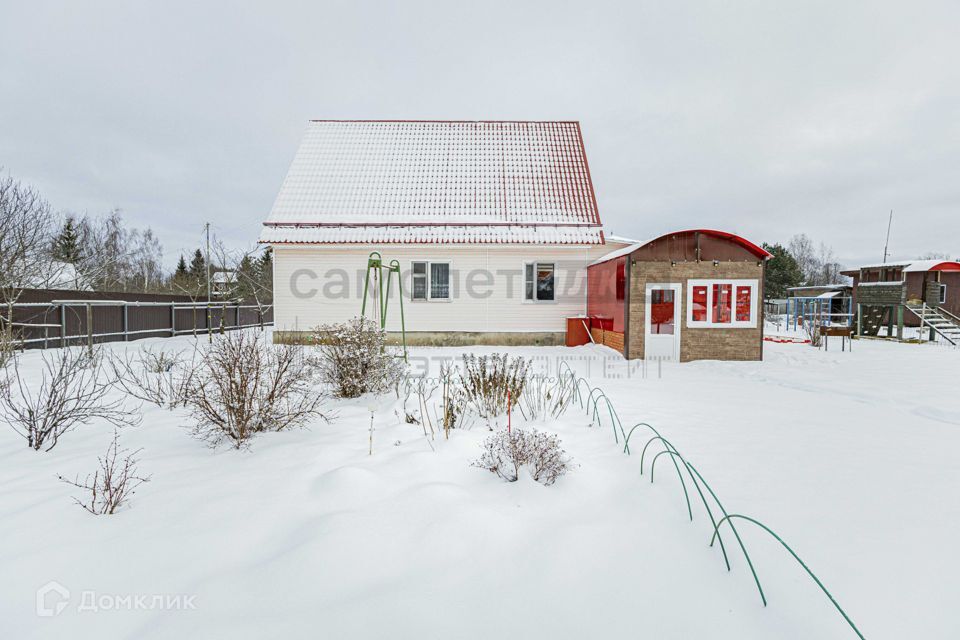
[[113, 483], [160, 377], [354, 358], [244, 385], [506, 452], [73, 390]]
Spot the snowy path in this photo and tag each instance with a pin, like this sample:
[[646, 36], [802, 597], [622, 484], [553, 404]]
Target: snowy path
[[306, 535]]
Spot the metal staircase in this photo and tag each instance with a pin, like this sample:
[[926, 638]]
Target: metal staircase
[[944, 323]]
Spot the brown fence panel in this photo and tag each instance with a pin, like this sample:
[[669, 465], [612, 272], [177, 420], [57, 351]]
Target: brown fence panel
[[43, 318]]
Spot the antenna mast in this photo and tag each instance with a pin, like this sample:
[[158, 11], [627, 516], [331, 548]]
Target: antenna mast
[[886, 245]]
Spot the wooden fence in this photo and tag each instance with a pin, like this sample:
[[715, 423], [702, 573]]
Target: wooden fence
[[49, 318]]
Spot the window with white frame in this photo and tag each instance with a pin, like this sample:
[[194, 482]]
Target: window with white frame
[[943, 294], [430, 280], [722, 303], [539, 281]]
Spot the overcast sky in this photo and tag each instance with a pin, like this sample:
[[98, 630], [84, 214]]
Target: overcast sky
[[764, 118]]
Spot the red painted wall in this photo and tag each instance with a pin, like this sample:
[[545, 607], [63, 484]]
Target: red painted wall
[[605, 293]]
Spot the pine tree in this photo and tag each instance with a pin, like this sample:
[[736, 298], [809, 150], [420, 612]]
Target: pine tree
[[198, 266], [782, 272], [265, 273], [181, 271], [66, 246]]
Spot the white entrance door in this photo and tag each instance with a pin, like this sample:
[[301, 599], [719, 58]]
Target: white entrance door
[[661, 339]]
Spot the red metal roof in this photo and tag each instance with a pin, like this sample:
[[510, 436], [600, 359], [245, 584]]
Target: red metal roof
[[760, 252], [383, 174]]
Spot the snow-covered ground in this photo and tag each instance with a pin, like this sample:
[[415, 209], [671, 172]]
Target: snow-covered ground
[[851, 457]]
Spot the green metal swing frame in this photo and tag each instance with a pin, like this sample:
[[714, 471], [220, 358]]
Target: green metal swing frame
[[377, 267]]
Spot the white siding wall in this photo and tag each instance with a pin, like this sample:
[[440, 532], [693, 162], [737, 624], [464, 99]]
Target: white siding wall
[[315, 285]]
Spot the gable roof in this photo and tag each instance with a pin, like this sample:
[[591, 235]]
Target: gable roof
[[437, 181]]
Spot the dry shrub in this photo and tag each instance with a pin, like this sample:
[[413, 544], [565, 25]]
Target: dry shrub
[[489, 381], [112, 485], [544, 397], [506, 452], [244, 386], [73, 390], [160, 377], [354, 358]]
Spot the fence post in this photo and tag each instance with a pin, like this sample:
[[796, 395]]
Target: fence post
[[90, 328], [173, 320], [126, 324], [63, 326]]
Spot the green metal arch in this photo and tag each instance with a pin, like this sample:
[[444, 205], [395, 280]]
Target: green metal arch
[[730, 517], [703, 498], [668, 447]]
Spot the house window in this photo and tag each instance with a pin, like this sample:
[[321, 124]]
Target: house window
[[539, 281], [621, 281], [419, 290], [662, 320], [943, 294], [744, 303], [722, 303], [698, 304], [431, 281]]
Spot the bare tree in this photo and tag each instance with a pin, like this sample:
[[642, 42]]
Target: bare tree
[[72, 390], [112, 485], [26, 225]]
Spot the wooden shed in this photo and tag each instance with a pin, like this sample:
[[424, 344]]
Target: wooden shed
[[688, 295]]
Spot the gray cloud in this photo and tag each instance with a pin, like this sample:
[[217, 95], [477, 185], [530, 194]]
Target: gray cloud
[[765, 118]]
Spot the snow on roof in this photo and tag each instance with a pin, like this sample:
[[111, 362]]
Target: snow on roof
[[819, 286], [432, 234], [918, 265], [389, 174]]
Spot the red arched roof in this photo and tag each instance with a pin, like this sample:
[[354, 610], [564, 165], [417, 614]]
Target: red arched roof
[[759, 252]]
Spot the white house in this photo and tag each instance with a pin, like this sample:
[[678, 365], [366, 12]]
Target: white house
[[492, 223]]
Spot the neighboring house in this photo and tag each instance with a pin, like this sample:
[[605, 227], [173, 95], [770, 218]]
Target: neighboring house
[[223, 282], [493, 225], [909, 293], [687, 295]]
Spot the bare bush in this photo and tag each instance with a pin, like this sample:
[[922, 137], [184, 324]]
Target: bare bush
[[544, 397], [73, 390], [244, 386], [354, 358], [112, 485], [492, 382], [506, 452], [812, 328], [8, 346], [160, 377]]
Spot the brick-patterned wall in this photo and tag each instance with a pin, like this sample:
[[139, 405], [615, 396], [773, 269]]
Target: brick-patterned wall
[[700, 343], [612, 339]]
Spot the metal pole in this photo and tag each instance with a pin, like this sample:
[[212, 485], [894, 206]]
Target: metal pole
[[209, 322], [63, 326], [126, 324], [173, 320]]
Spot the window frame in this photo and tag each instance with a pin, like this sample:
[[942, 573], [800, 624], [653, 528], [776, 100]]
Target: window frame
[[734, 283], [943, 294], [536, 267], [428, 281]]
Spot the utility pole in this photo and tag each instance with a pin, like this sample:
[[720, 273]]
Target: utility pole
[[209, 318], [886, 245]]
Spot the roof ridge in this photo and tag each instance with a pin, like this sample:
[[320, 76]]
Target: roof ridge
[[441, 121]]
